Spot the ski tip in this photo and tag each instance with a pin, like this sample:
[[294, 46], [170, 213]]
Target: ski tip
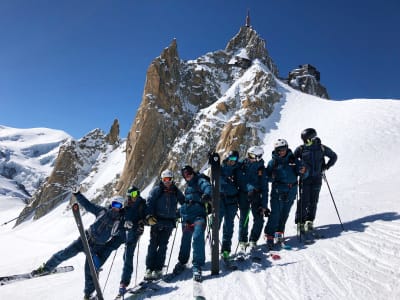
[[275, 256]]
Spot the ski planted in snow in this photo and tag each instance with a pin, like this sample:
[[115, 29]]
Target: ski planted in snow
[[86, 248], [215, 162], [24, 276], [198, 292]]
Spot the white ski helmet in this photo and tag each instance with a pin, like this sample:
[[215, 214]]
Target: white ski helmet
[[167, 175], [255, 152], [281, 144], [117, 201]]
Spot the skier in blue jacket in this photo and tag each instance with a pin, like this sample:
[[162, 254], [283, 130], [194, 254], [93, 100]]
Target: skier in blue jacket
[[313, 154], [253, 196], [229, 195], [193, 213], [161, 215], [282, 170], [104, 235]]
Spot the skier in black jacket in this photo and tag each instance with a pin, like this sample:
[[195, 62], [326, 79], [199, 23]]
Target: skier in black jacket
[[312, 153]]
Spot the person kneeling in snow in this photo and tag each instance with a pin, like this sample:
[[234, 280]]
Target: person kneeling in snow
[[106, 234]]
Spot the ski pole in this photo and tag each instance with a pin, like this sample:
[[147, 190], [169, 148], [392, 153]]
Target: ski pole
[[30, 211], [108, 275], [172, 248], [330, 192], [244, 225], [137, 259]]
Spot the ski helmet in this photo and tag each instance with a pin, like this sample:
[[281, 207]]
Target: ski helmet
[[281, 144], [255, 152], [187, 170], [308, 134], [117, 202], [167, 175], [233, 155], [133, 192]]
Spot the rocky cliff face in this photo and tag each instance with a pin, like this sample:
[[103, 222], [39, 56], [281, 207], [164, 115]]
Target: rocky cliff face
[[173, 126], [75, 162]]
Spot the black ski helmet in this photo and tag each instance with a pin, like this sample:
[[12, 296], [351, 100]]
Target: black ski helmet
[[232, 154], [308, 134], [187, 170]]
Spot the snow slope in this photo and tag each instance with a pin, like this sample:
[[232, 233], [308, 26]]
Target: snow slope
[[362, 262]]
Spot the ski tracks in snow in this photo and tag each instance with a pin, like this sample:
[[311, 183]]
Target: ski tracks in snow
[[353, 265]]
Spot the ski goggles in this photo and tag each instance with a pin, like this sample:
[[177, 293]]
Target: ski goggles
[[167, 179], [232, 158], [133, 194], [116, 204], [253, 156]]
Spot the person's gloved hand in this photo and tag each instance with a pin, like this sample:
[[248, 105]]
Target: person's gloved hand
[[151, 220], [140, 229], [76, 189], [128, 225], [267, 212], [206, 198]]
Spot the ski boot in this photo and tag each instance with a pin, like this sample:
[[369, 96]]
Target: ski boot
[[197, 274], [42, 270], [179, 268]]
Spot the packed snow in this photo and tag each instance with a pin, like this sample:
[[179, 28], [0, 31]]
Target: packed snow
[[362, 262]]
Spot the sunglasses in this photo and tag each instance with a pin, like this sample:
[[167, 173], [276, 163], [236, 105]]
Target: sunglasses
[[133, 194], [167, 179], [116, 204]]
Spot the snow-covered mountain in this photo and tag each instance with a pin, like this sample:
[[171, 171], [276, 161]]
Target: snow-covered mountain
[[26, 158], [359, 263]]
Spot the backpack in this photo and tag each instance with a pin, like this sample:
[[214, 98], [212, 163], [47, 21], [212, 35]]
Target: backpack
[[208, 207]]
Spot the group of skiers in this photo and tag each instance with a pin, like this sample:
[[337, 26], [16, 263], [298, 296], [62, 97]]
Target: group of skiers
[[244, 185]]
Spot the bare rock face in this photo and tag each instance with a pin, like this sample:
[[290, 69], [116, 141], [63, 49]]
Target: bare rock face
[[112, 137], [306, 78], [75, 161], [173, 126]]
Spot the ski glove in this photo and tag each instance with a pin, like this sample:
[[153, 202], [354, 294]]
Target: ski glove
[[128, 224], [267, 212], [76, 190], [151, 220], [140, 230], [206, 198]]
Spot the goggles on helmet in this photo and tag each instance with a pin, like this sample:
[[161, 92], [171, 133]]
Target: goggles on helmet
[[232, 158], [116, 204], [133, 194], [167, 179], [254, 156]]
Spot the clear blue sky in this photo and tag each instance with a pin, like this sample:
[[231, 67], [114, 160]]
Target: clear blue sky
[[77, 65]]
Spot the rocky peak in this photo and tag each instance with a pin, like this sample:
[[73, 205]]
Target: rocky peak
[[113, 136], [248, 39]]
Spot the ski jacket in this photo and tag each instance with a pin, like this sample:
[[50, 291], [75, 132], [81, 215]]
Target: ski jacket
[[252, 178], [313, 157], [194, 205], [162, 203], [228, 180], [108, 223], [283, 171], [135, 212]]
